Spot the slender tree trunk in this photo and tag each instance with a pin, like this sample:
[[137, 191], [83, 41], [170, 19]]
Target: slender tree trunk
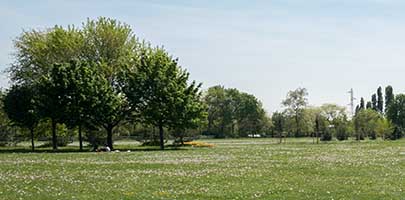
[[209, 126], [54, 138], [222, 129], [162, 145], [297, 123], [32, 139], [232, 129], [109, 130], [285, 137], [80, 138], [313, 138]]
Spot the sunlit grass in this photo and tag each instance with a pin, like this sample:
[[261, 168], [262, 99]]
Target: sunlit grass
[[232, 169]]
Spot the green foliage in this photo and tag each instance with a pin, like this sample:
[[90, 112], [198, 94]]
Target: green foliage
[[232, 113], [374, 102], [343, 127], [159, 92], [369, 105], [365, 123], [112, 46], [279, 122], [19, 105], [37, 51], [396, 114], [219, 111], [389, 96], [342, 131], [327, 134], [380, 101], [362, 106], [108, 44], [384, 128], [295, 101]]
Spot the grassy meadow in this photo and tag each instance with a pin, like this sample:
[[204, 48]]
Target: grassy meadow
[[233, 169]]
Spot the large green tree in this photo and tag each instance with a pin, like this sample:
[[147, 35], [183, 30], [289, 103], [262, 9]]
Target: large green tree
[[190, 111], [108, 43], [19, 105], [365, 123], [396, 113], [51, 102], [295, 102], [79, 85], [221, 106], [251, 116], [159, 92], [232, 113], [113, 47]]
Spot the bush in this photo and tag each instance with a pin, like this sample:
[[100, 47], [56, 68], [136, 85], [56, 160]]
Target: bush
[[342, 132], [326, 135], [199, 144], [372, 135], [397, 134]]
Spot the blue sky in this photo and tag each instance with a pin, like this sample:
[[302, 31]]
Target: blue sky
[[261, 47]]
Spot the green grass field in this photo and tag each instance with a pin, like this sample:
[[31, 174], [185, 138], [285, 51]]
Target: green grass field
[[233, 169]]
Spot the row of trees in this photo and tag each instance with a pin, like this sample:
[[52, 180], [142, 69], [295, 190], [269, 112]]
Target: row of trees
[[78, 81], [300, 120], [381, 117], [98, 76]]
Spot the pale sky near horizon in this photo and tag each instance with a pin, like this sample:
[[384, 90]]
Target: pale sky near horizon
[[265, 48]]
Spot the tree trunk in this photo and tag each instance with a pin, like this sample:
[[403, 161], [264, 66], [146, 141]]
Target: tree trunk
[[80, 138], [109, 130], [313, 138], [162, 145], [32, 139], [54, 138], [209, 126], [181, 141], [298, 126]]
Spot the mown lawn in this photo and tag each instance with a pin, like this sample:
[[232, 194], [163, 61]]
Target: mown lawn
[[233, 169]]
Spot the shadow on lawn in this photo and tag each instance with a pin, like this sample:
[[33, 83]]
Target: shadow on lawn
[[85, 150]]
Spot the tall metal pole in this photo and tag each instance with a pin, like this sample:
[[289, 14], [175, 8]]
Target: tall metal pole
[[351, 92]]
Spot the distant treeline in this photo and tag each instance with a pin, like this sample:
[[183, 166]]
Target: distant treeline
[[381, 117]]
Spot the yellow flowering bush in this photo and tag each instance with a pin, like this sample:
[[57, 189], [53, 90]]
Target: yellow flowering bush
[[199, 144]]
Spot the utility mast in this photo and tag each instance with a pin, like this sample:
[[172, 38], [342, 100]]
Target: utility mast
[[351, 101]]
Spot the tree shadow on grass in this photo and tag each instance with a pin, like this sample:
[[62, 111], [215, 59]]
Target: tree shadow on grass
[[86, 150]]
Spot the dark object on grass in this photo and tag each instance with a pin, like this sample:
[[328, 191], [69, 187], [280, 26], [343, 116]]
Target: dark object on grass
[[106, 148]]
